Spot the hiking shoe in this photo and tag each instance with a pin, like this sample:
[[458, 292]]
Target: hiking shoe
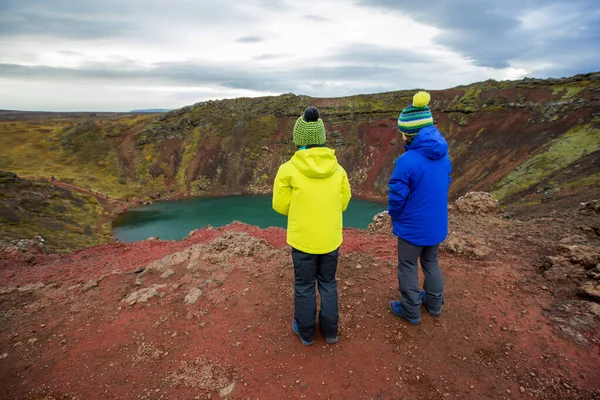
[[435, 313], [397, 309], [295, 329], [333, 340]]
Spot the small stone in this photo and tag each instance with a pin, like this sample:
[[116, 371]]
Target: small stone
[[358, 266], [522, 389], [193, 295], [167, 273], [227, 390], [30, 287], [2, 356], [508, 391]]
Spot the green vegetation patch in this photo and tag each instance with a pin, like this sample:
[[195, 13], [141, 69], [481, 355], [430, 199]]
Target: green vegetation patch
[[67, 220], [560, 153]]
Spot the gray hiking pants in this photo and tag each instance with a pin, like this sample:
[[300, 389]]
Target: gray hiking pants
[[408, 278]]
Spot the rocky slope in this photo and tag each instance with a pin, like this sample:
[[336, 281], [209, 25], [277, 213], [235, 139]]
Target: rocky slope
[[523, 140]]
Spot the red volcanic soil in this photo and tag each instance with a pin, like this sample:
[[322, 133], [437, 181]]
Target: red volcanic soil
[[127, 321]]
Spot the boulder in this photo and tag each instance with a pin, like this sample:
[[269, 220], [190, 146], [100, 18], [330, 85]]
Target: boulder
[[477, 203], [381, 222]]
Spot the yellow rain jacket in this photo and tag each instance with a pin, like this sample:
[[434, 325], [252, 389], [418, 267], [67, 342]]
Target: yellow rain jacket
[[312, 189]]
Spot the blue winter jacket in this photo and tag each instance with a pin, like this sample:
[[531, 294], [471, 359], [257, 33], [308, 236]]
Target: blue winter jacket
[[418, 190]]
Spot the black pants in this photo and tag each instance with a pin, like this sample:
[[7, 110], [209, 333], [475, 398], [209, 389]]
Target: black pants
[[307, 269]]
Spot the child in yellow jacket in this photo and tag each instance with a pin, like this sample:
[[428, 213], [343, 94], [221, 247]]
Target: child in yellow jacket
[[313, 191]]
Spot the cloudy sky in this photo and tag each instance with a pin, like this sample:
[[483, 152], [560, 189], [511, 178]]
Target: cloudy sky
[[118, 55]]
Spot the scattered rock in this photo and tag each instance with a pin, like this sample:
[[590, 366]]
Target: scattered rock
[[7, 289], [586, 256], [227, 391], [92, 283], [455, 243], [572, 239], [167, 273], [30, 287], [193, 295], [572, 317], [590, 289], [593, 205], [143, 294]]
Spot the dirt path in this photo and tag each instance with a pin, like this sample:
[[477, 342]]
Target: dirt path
[[84, 334]]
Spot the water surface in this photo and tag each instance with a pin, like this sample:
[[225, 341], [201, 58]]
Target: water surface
[[174, 220]]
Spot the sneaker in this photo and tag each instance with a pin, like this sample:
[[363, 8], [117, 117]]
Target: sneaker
[[295, 329], [435, 313], [397, 309], [333, 340]]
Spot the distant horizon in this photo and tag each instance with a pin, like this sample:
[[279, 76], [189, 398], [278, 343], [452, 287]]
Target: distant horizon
[[168, 109]]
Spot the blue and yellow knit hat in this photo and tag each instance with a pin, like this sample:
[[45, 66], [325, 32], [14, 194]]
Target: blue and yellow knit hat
[[416, 116], [309, 128]]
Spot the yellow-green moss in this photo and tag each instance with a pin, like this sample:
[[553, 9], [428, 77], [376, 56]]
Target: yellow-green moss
[[566, 149]]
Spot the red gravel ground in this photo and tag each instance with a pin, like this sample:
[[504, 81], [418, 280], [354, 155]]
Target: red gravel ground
[[77, 338]]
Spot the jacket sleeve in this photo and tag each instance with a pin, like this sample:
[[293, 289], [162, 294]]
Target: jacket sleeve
[[282, 192], [346, 192], [449, 172], [399, 188]]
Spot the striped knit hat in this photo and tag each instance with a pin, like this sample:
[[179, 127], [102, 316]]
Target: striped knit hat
[[309, 128], [416, 116]]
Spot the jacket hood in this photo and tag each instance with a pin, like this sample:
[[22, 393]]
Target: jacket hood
[[317, 162], [430, 143]]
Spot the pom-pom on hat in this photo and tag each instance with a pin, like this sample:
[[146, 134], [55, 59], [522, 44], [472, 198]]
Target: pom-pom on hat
[[416, 116], [309, 128]]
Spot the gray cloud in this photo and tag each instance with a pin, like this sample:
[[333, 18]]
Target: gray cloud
[[358, 73], [264, 57], [90, 19], [316, 18], [250, 39], [66, 27], [493, 34]]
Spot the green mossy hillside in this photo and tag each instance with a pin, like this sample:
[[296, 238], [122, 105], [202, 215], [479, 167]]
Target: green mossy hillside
[[66, 219]]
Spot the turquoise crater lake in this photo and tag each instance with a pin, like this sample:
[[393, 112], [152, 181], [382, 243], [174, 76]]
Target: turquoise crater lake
[[174, 220]]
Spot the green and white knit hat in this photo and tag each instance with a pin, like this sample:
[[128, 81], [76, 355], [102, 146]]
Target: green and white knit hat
[[417, 116], [309, 128]]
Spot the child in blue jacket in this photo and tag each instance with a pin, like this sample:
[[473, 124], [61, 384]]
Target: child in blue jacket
[[418, 207]]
